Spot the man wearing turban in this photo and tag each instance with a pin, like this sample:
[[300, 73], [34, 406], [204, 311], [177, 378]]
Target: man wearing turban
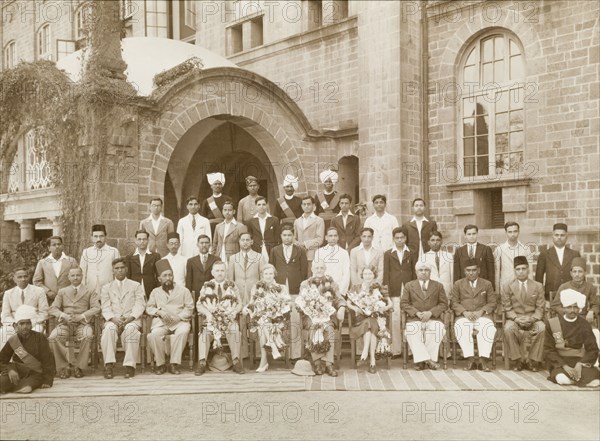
[[327, 201], [212, 206], [289, 207]]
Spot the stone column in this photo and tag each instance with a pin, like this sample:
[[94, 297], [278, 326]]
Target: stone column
[[27, 229]]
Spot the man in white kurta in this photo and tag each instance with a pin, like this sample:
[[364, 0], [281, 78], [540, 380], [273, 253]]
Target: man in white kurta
[[22, 294], [171, 307], [96, 261], [382, 224], [123, 302], [190, 227], [337, 261], [177, 261], [505, 254]]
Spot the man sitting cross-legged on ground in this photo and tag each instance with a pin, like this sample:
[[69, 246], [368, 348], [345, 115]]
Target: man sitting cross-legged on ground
[[74, 306], [570, 348], [26, 361], [171, 307]]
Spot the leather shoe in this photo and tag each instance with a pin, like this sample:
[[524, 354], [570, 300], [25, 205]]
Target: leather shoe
[[78, 373], [331, 371], [517, 365], [129, 372], [160, 369], [372, 369], [65, 373], [318, 368], [432, 365], [483, 365], [532, 365], [108, 371], [237, 367], [419, 366], [174, 369], [200, 369], [471, 364]]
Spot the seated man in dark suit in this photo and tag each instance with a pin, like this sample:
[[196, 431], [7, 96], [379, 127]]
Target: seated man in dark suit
[[479, 252], [141, 265], [347, 224], [198, 268]]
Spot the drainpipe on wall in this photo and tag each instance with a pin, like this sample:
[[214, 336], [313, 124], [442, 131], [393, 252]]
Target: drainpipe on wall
[[424, 104]]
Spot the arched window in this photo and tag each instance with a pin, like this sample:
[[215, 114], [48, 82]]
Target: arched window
[[492, 79], [10, 55], [43, 42]]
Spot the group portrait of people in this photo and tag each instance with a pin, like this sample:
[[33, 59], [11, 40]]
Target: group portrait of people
[[232, 280]]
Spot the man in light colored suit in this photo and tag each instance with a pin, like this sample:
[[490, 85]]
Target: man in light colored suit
[[337, 261], [171, 307], [523, 302], [177, 261], [157, 227], [347, 224], [74, 306], [227, 234], [22, 294], [365, 255], [96, 261], [505, 254], [309, 229], [440, 261], [191, 227], [52, 272], [123, 303]]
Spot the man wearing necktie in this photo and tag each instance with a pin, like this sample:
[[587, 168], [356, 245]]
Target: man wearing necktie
[[198, 268], [440, 261], [523, 303], [22, 294], [474, 250], [474, 302], [191, 227]]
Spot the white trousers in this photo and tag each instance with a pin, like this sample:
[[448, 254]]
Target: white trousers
[[163, 341], [130, 339], [424, 339], [463, 329]]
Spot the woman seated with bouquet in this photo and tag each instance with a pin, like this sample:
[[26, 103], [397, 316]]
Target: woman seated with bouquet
[[370, 303], [268, 311], [319, 300]]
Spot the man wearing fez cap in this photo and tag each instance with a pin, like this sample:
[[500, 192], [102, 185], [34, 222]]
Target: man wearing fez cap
[[96, 261], [212, 206], [523, 302], [26, 362], [570, 348], [246, 208], [176, 260], [555, 262], [289, 207], [171, 307]]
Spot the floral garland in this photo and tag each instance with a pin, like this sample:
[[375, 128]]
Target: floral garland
[[223, 312], [268, 310], [315, 301]]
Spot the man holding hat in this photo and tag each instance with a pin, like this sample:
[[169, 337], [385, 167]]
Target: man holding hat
[[328, 200], [523, 303], [96, 261], [570, 348], [171, 307], [247, 206], [74, 307], [22, 294], [474, 301], [555, 262], [123, 304], [177, 261], [289, 207], [212, 206], [26, 362]]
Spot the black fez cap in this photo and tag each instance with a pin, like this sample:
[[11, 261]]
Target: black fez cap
[[99, 227], [520, 260], [559, 226]]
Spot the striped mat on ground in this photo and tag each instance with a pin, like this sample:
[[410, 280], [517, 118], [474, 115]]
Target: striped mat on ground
[[283, 381]]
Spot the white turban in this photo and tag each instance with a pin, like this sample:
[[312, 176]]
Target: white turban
[[25, 312], [420, 264], [569, 297], [214, 177], [329, 174], [291, 180]]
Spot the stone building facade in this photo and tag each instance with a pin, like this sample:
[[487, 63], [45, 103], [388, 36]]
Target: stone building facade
[[488, 110]]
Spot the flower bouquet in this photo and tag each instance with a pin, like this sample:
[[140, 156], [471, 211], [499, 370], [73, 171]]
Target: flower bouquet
[[223, 311], [316, 302], [268, 309]]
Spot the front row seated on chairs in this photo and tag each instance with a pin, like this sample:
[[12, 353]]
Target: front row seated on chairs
[[219, 297], [26, 362], [171, 307], [75, 308], [423, 301], [474, 303], [570, 348], [523, 303]]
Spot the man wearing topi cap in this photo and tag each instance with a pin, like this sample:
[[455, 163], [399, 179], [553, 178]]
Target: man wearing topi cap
[[327, 201], [26, 362], [570, 348], [212, 206], [523, 302], [96, 261], [171, 307], [247, 206], [289, 207], [555, 262]]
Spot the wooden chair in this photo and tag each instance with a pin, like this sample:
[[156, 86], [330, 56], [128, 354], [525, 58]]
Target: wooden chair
[[454, 341], [446, 319], [254, 341], [351, 320]]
